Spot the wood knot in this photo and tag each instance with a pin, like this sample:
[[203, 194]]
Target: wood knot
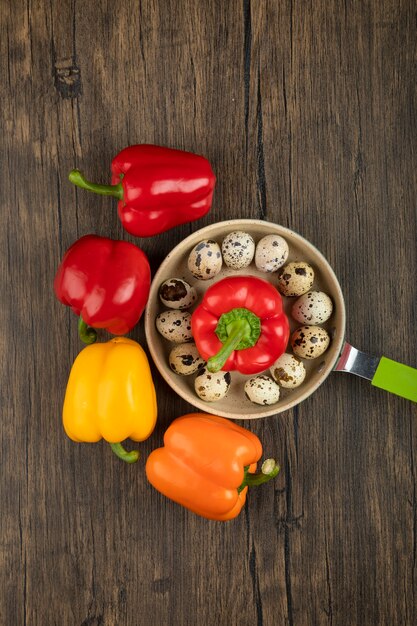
[[290, 523], [94, 620], [67, 78], [161, 585]]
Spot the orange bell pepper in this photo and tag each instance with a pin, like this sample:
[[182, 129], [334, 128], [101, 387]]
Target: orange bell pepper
[[207, 464]]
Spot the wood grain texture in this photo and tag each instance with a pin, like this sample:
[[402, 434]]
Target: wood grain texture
[[307, 110]]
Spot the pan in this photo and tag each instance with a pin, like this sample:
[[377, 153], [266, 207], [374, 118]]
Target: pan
[[341, 356]]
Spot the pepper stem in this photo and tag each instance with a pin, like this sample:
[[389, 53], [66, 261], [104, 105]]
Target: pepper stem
[[86, 333], [269, 470], [128, 457], [238, 330], [77, 177]]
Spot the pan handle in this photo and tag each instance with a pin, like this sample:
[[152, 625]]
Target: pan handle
[[396, 378]]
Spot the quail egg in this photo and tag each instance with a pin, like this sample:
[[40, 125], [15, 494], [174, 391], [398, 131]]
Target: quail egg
[[262, 390], [211, 387], [238, 249], [288, 371], [176, 293], [175, 325], [205, 260], [295, 278], [184, 359], [314, 307], [309, 342], [271, 253]]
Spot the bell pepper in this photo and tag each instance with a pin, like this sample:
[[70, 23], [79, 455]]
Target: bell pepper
[[110, 395], [207, 465], [157, 188], [105, 282], [240, 325]]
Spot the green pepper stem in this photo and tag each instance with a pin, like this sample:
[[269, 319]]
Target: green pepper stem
[[237, 331], [77, 177], [269, 470], [128, 457], [86, 333]]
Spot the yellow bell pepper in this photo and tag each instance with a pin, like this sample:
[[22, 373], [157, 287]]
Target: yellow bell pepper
[[110, 395]]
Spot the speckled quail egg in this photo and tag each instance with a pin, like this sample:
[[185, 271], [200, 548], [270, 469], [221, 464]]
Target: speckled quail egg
[[314, 307], [211, 387], [176, 293], [205, 260], [175, 325], [295, 278], [309, 342], [262, 390], [271, 253], [238, 249], [288, 371], [184, 359]]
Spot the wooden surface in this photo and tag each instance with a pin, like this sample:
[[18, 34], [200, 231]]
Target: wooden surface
[[307, 111]]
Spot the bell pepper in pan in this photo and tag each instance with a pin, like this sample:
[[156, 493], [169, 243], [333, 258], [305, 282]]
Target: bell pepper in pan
[[105, 282], [157, 188], [207, 465], [240, 325], [110, 395]]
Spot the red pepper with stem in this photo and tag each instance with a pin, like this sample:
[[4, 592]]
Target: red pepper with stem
[[157, 188], [240, 325], [106, 283]]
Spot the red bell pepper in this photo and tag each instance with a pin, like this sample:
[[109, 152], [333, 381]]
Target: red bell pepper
[[105, 282], [157, 188], [240, 325]]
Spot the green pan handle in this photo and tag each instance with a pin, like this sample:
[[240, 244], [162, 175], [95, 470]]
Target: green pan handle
[[396, 378]]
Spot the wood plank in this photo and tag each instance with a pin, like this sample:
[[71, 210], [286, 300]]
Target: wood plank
[[308, 114]]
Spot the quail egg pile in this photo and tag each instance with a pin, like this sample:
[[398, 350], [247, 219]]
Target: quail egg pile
[[294, 279]]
